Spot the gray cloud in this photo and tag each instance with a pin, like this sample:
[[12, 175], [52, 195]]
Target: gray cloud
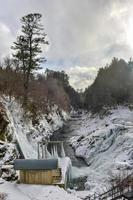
[[6, 40], [82, 33], [81, 76]]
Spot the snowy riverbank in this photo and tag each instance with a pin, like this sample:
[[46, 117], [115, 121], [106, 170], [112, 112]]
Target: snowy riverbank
[[106, 144], [36, 192], [22, 130]]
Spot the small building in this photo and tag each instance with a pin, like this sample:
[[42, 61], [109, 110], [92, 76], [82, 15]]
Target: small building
[[37, 171], [51, 167]]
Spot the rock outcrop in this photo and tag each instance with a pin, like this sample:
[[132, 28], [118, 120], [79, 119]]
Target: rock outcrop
[[3, 123]]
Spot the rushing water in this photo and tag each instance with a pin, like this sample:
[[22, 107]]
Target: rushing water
[[65, 134]]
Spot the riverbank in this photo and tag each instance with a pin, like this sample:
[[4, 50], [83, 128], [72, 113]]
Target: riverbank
[[105, 142]]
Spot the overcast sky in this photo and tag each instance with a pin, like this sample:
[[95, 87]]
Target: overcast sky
[[83, 34]]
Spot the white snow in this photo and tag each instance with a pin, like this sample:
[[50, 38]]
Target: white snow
[[27, 136], [22, 128], [35, 192], [106, 144]]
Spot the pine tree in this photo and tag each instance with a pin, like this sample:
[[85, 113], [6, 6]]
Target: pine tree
[[28, 47]]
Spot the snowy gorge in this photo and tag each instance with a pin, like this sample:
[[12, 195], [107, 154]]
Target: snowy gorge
[[104, 141], [106, 144]]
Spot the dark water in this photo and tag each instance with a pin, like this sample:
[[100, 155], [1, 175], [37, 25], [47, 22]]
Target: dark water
[[65, 134]]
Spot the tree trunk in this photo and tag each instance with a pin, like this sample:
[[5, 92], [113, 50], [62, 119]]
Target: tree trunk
[[26, 88], [27, 74]]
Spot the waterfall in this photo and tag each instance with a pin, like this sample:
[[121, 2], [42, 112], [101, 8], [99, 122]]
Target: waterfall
[[55, 151], [62, 151]]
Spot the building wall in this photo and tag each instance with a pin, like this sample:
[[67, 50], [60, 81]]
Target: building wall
[[45, 177]]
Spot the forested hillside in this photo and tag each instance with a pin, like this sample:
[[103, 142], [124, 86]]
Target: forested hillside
[[112, 86], [19, 76], [45, 89]]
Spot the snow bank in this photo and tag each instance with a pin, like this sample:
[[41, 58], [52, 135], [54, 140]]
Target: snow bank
[[37, 192], [106, 144], [22, 129]]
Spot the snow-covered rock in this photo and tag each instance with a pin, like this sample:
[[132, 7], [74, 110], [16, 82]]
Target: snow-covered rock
[[26, 133], [106, 144], [8, 154]]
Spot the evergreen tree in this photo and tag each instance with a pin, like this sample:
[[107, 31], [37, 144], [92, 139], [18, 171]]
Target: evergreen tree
[[28, 47], [112, 86]]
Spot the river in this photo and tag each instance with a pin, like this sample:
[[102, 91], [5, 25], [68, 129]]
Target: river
[[65, 134]]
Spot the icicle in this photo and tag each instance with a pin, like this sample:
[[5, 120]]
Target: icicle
[[56, 151], [47, 153], [38, 149], [52, 152], [62, 151], [43, 152]]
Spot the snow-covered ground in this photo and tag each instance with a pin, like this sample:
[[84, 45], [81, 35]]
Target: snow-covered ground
[[106, 144], [27, 135], [35, 192]]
